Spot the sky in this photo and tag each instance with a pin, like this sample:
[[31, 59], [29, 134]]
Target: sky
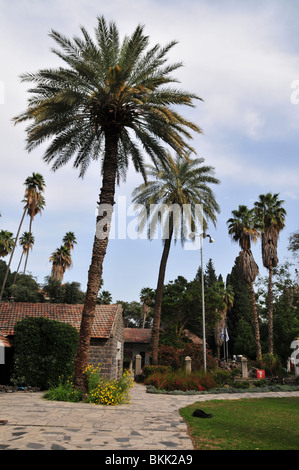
[[240, 57]]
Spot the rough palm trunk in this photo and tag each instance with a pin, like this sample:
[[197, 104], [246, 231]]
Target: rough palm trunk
[[255, 322], [29, 240], [249, 271], [220, 325], [98, 255], [19, 265], [159, 296], [270, 312], [57, 272]]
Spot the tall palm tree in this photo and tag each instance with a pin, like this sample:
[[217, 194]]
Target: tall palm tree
[[34, 185], [36, 203], [111, 102], [6, 243], [61, 260], [180, 184], [243, 229], [225, 297], [26, 241], [271, 216], [69, 240]]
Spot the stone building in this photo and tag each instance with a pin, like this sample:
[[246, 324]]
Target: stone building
[[137, 341], [107, 338]]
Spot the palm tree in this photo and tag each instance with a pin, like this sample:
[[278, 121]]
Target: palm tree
[[6, 243], [146, 298], [34, 185], [180, 184], [112, 102], [271, 216], [225, 297], [69, 240], [243, 229], [36, 203], [26, 241], [61, 260]]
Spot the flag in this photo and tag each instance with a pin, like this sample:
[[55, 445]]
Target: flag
[[224, 332]]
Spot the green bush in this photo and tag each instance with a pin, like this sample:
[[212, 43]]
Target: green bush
[[150, 370], [222, 377], [260, 383], [64, 391], [271, 364], [44, 351], [241, 385]]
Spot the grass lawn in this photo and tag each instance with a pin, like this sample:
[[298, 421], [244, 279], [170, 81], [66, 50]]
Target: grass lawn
[[246, 424]]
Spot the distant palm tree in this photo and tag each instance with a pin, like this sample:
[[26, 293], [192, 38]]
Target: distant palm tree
[[69, 240], [178, 184], [26, 241], [35, 201], [34, 185], [243, 229], [6, 243], [271, 216], [112, 102], [61, 260], [147, 296], [225, 296]]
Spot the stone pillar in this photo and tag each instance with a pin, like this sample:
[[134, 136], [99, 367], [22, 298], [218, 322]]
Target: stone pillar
[[244, 368], [188, 364], [138, 365]]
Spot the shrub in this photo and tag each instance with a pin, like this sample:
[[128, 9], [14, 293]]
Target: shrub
[[44, 351], [175, 357], [241, 385], [102, 391], [64, 391], [260, 383], [150, 370], [222, 377], [179, 380], [271, 364]]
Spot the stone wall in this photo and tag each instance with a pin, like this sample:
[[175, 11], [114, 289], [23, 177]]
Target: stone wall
[[109, 352]]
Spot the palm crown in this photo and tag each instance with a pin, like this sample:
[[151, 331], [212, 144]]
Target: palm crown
[[179, 183], [243, 227], [107, 86]]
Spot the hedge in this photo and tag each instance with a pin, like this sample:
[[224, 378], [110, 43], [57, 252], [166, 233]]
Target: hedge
[[44, 351]]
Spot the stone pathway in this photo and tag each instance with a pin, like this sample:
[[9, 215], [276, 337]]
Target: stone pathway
[[149, 422]]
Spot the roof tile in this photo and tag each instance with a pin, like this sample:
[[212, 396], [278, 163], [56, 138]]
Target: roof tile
[[11, 312]]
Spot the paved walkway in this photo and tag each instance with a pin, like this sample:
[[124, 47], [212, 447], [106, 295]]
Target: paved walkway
[[149, 422]]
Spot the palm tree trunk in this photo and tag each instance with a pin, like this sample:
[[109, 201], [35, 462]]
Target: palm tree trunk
[[255, 322], [98, 255], [270, 309], [29, 240], [14, 281], [11, 255], [159, 295]]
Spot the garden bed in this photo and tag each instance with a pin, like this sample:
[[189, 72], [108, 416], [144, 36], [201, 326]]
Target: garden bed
[[222, 390]]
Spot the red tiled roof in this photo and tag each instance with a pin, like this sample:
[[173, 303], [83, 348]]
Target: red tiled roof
[[137, 335], [4, 341], [105, 316]]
